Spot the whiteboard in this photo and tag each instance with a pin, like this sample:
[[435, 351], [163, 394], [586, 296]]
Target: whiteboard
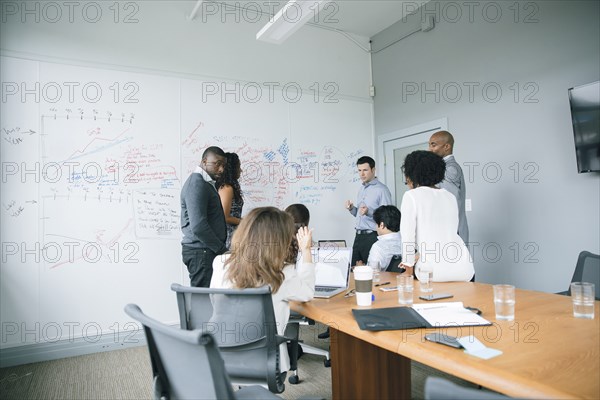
[[93, 162]]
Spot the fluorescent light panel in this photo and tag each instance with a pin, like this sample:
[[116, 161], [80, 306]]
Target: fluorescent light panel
[[195, 10], [289, 19]]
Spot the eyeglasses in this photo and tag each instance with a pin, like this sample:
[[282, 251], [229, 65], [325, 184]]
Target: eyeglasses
[[350, 293]]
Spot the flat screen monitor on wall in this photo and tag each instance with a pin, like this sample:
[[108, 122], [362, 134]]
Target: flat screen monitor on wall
[[585, 113]]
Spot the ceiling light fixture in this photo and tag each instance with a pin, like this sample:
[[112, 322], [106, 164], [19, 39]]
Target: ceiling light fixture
[[194, 12], [289, 19]]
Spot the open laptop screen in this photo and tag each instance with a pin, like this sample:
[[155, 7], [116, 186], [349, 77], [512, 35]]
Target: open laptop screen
[[332, 266]]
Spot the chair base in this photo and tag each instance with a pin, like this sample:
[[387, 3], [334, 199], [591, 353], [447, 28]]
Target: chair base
[[315, 350], [294, 379], [324, 335]]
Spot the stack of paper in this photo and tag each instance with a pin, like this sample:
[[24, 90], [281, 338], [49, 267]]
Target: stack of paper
[[449, 314]]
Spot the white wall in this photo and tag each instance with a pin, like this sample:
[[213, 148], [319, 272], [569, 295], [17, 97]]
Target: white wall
[[163, 42], [220, 44], [556, 215]]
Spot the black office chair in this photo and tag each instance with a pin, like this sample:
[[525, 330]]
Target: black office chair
[[292, 331], [442, 389], [243, 324], [586, 270], [187, 364], [394, 265]]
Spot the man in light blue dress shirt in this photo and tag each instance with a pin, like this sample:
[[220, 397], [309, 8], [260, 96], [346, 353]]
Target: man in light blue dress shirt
[[371, 195]]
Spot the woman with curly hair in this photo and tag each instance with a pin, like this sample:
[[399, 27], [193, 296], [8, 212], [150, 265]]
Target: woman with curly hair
[[429, 222], [231, 194], [261, 247]]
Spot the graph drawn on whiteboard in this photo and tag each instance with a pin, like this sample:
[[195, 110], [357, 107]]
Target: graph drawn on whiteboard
[[93, 161], [77, 231]]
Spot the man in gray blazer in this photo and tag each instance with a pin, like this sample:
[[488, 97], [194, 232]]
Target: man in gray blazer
[[202, 218], [442, 144]]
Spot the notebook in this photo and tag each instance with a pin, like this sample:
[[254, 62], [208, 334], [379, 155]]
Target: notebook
[[435, 315], [332, 270]]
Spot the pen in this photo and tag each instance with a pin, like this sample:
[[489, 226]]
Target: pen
[[382, 284]]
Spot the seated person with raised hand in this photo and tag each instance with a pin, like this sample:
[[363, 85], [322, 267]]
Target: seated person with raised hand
[[299, 213], [301, 217], [259, 256], [430, 222], [389, 242]]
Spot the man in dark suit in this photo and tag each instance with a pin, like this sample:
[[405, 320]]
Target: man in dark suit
[[202, 218], [442, 144]]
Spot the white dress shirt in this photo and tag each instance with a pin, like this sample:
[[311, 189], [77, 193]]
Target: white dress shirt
[[387, 245]]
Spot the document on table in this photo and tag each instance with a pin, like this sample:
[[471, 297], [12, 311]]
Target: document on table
[[436, 315], [449, 314]]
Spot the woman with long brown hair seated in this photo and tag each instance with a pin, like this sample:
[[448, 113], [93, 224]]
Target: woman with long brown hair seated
[[260, 255]]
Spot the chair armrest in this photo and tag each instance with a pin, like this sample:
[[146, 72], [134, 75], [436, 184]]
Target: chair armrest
[[283, 339], [297, 318]]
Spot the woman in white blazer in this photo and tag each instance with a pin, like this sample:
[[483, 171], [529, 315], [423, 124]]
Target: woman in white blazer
[[429, 223]]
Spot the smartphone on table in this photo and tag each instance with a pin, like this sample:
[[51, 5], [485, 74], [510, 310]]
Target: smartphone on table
[[443, 339], [435, 296]]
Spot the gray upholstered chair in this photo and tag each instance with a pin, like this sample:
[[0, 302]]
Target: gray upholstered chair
[[187, 364], [242, 322], [442, 389], [587, 270]]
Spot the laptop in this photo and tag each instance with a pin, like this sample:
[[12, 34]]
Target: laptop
[[332, 269], [331, 243]]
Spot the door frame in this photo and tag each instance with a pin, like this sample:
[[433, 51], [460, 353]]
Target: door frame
[[388, 176]]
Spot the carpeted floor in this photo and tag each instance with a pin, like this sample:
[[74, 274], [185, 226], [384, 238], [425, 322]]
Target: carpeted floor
[[126, 374]]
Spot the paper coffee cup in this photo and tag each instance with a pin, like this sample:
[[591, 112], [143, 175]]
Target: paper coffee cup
[[363, 281]]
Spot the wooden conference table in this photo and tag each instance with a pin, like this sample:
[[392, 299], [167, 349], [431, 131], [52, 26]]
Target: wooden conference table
[[547, 353]]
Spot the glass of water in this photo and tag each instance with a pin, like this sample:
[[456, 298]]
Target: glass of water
[[425, 280], [405, 289], [583, 295], [504, 302], [376, 271]]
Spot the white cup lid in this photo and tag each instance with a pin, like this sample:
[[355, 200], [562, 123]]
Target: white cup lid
[[363, 273]]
